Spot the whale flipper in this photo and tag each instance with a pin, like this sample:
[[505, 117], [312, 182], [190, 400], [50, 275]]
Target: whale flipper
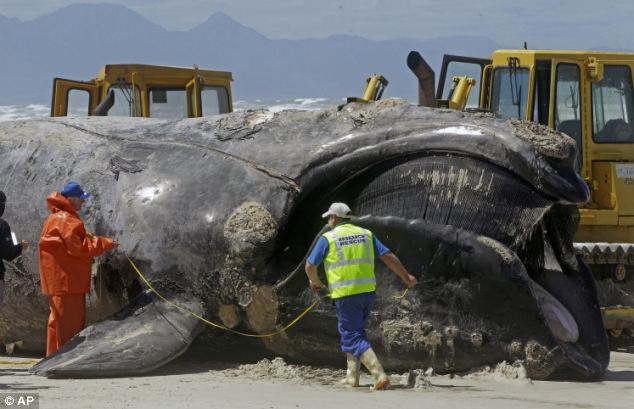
[[142, 337]]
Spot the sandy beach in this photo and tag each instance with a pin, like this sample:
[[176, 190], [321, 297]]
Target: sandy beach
[[204, 379]]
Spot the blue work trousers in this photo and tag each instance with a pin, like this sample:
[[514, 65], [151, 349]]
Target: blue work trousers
[[352, 314]]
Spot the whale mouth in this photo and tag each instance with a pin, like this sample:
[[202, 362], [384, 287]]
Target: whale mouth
[[418, 205]]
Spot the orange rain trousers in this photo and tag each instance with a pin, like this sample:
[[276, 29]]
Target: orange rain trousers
[[68, 317]]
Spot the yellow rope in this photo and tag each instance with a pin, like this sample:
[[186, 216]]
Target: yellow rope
[[213, 324], [206, 321], [398, 297]]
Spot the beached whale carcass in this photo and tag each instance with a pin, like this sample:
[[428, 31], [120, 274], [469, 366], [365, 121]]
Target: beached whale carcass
[[218, 212]]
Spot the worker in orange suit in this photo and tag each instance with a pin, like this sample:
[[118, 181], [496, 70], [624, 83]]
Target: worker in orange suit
[[66, 252]]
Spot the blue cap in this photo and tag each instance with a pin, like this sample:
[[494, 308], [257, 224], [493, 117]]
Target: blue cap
[[72, 189]]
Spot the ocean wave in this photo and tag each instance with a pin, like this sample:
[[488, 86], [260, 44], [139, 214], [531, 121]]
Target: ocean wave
[[13, 112], [278, 105], [310, 101]]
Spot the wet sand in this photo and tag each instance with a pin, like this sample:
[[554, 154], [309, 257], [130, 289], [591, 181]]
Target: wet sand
[[202, 381]]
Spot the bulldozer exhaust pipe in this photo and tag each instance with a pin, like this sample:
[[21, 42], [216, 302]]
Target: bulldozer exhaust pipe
[[426, 79]]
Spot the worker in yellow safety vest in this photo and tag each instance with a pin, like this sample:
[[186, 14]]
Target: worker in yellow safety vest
[[348, 254]]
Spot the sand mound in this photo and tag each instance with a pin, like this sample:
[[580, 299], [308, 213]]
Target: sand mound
[[279, 369], [503, 371]]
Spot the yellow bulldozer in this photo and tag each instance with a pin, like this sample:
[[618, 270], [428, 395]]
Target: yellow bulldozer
[[138, 90], [586, 95]]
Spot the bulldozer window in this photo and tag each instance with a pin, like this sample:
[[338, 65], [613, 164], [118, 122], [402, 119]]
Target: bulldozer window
[[215, 100], [460, 69], [541, 93], [612, 107], [168, 103], [509, 93], [78, 102], [124, 103], [567, 104]]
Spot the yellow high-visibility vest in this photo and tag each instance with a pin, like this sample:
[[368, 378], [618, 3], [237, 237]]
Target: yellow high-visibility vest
[[349, 262]]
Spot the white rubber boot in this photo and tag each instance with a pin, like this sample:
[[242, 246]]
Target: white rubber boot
[[353, 372], [369, 359]]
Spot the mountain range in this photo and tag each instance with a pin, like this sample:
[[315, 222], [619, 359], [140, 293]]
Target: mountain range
[[75, 41]]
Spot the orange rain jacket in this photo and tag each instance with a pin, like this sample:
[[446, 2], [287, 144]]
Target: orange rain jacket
[[66, 250]]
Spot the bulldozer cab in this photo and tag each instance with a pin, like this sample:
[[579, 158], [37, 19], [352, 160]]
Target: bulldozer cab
[[586, 95], [136, 90]]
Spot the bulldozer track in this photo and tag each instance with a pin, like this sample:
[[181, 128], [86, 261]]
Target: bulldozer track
[[606, 253]]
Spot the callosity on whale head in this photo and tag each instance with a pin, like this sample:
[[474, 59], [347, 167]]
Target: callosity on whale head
[[219, 213]]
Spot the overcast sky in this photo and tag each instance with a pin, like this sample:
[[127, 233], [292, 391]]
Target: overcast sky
[[543, 23]]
